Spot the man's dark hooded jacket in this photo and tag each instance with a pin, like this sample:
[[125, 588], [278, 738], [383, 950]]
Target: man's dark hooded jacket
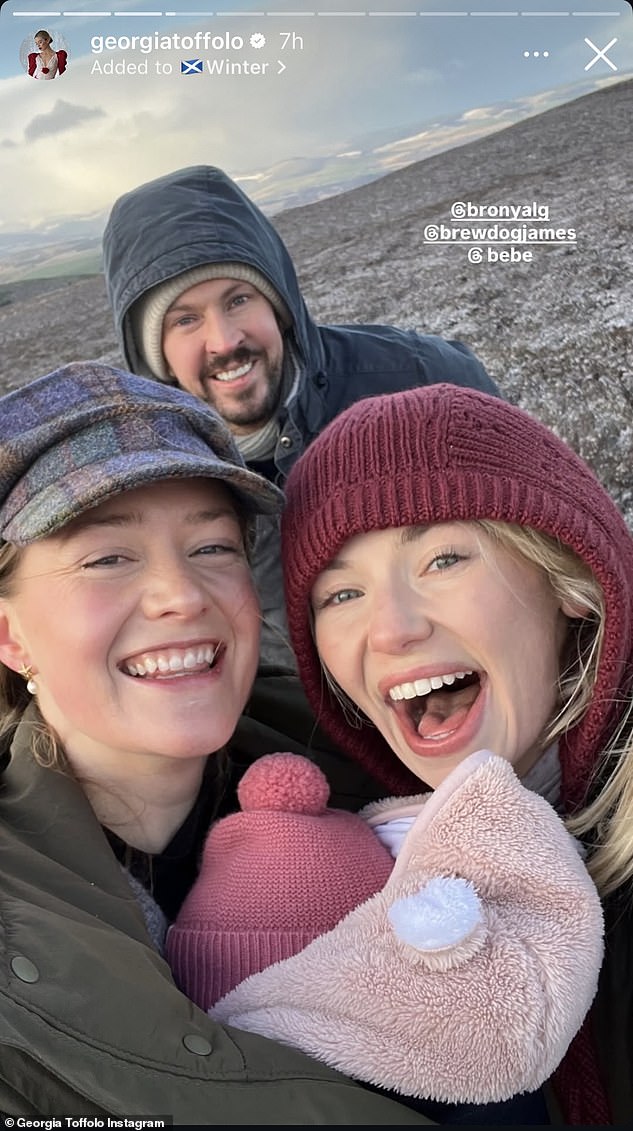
[[199, 216]]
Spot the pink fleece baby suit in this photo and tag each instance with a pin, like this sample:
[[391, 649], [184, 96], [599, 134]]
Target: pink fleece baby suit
[[462, 976]]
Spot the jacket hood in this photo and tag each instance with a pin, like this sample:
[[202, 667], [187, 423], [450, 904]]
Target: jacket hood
[[184, 220]]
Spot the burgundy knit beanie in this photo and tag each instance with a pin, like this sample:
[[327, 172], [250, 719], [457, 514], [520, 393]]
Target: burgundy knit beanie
[[444, 453], [272, 878]]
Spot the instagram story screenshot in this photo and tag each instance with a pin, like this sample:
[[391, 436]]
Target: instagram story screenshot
[[239, 582], [459, 170]]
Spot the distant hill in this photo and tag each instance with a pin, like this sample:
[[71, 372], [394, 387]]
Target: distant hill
[[555, 333], [23, 258]]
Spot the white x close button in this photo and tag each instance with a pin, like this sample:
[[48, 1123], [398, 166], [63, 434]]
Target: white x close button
[[601, 53]]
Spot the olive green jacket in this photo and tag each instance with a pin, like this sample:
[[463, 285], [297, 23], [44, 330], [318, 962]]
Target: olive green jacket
[[91, 1022]]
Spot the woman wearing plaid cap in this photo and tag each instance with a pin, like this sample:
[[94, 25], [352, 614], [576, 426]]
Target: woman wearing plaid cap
[[129, 632]]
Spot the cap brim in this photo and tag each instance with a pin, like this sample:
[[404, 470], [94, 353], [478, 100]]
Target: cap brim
[[85, 487]]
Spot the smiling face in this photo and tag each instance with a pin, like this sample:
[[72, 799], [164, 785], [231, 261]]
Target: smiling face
[[222, 342], [447, 642], [141, 625]]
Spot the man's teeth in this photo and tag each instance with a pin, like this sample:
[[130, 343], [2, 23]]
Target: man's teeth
[[425, 686], [172, 662], [233, 374]]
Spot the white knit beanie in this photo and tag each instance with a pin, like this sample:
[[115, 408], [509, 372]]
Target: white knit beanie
[[147, 314]]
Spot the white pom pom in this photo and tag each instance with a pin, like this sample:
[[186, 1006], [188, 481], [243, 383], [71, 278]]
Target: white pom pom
[[441, 914]]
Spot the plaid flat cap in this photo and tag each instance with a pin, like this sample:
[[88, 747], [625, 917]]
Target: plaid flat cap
[[87, 431]]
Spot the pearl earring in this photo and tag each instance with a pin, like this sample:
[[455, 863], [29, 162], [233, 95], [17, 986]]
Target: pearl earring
[[27, 672]]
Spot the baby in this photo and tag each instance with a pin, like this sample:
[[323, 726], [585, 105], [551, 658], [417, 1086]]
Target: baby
[[459, 973]]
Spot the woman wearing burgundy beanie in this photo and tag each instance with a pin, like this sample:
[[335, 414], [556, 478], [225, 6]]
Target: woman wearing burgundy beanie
[[457, 579], [460, 597]]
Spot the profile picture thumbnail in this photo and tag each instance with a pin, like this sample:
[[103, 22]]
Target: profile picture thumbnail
[[45, 55]]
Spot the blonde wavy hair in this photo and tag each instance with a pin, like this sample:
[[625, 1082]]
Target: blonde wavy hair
[[573, 582], [606, 823]]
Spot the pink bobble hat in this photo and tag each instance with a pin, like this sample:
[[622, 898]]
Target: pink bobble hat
[[273, 877]]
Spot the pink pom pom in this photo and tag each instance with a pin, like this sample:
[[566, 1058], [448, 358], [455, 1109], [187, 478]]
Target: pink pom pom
[[286, 783]]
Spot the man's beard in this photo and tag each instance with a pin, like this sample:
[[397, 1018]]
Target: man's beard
[[250, 408]]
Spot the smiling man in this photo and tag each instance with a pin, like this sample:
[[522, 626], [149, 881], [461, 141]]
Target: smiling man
[[205, 295]]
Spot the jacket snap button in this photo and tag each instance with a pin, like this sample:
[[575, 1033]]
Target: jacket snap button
[[285, 442], [200, 1045], [24, 969]]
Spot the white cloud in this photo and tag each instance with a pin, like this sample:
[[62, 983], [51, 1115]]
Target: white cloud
[[478, 114], [401, 143]]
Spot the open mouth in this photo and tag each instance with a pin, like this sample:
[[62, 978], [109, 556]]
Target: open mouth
[[174, 663], [436, 706]]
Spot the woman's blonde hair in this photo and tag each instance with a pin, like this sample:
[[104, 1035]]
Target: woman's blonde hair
[[573, 582], [607, 822]]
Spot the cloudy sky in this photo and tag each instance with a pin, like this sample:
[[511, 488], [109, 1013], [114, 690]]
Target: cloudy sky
[[358, 95]]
